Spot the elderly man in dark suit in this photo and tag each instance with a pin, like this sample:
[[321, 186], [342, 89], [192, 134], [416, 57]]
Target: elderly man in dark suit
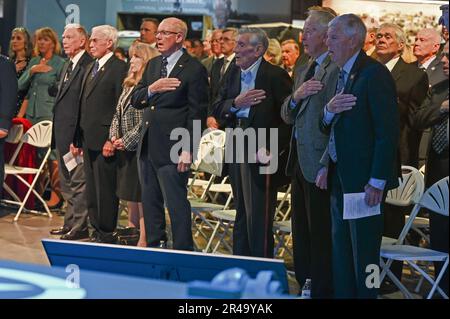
[[434, 114], [362, 120], [311, 223], [66, 111], [219, 71], [8, 100], [101, 88], [412, 86], [250, 99], [174, 93]]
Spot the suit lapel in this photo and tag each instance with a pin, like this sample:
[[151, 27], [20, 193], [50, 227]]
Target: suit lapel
[[321, 72], [398, 70], [352, 77], [99, 76], [259, 85], [179, 66]]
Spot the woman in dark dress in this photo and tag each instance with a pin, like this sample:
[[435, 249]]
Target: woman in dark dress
[[20, 52], [125, 132]]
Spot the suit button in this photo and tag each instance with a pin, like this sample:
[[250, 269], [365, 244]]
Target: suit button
[[152, 108], [146, 123]]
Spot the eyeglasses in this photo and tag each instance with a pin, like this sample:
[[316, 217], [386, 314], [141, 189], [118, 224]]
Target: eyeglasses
[[165, 33]]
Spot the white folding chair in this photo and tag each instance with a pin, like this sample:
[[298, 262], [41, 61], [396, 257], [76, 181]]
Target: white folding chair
[[283, 209], [408, 193], [225, 222], [39, 135], [435, 200], [282, 231]]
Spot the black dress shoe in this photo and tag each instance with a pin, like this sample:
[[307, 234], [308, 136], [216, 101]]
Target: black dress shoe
[[60, 231], [76, 235]]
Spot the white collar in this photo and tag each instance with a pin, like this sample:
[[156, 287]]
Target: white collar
[[321, 58], [77, 58], [427, 63], [348, 66], [102, 61], [230, 58], [392, 63], [254, 67]]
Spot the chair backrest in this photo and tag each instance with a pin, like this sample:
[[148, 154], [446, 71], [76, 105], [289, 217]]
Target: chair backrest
[[15, 134], [410, 190], [39, 135], [210, 153], [436, 197]]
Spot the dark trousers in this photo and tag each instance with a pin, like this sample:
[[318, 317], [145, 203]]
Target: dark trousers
[[437, 168], [102, 202], [73, 190], [311, 234], [165, 185], [255, 200], [356, 245], [394, 221]]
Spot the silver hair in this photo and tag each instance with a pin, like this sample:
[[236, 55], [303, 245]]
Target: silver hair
[[322, 17], [352, 26], [435, 35], [400, 35], [109, 32], [233, 31], [258, 36]]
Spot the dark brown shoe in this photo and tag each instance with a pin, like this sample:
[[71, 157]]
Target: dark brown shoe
[[60, 231]]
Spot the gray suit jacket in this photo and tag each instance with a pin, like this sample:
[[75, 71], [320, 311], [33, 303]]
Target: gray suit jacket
[[311, 142]]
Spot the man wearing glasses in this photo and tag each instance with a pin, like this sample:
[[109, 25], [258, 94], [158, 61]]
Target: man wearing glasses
[[174, 93]]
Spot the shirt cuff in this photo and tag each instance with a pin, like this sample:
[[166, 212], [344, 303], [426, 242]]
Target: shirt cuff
[[233, 109], [4, 130], [292, 104], [150, 94], [328, 116], [377, 183]]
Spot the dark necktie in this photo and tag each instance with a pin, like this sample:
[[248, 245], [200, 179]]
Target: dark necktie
[[332, 143], [223, 70], [95, 69], [311, 71], [68, 73], [439, 140], [164, 67]]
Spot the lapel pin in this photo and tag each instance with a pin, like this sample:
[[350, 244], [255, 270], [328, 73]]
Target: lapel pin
[[103, 69], [433, 68], [352, 76]]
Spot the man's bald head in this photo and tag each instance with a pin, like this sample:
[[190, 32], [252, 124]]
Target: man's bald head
[[178, 25]]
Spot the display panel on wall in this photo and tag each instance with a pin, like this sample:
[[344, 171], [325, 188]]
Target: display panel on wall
[[300, 8]]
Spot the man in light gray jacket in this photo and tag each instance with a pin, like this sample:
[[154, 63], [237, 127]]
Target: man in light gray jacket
[[315, 85]]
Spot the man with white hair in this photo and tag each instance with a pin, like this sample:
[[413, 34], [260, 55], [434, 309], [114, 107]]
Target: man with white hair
[[311, 222], [426, 50], [362, 120], [411, 84], [66, 110], [250, 98], [174, 93], [102, 86]]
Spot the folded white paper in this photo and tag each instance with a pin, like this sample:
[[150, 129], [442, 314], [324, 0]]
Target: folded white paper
[[355, 207], [71, 161]]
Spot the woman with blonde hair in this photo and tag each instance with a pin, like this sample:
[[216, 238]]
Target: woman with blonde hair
[[273, 53], [20, 52], [40, 80], [125, 133]]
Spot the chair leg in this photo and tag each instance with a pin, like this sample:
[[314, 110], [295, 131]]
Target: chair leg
[[213, 235], [388, 272], [435, 283]]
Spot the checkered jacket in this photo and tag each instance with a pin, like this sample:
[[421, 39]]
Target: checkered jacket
[[127, 121]]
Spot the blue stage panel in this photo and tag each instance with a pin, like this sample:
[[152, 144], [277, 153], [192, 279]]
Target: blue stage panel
[[156, 263]]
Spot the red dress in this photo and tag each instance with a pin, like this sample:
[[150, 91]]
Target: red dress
[[26, 158]]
